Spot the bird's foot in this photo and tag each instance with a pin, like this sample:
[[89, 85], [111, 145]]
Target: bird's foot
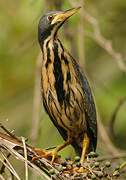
[[80, 170], [72, 168], [50, 155]]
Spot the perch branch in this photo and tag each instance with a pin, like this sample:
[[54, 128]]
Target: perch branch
[[25, 153]]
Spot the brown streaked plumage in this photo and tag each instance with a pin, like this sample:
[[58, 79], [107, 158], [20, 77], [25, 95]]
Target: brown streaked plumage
[[66, 94]]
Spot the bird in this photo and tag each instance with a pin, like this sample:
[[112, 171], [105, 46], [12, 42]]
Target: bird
[[66, 93]]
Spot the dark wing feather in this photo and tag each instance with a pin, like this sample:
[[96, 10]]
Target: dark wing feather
[[89, 106], [53, 119]]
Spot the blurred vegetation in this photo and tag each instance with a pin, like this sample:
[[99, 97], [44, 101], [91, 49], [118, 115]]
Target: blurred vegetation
[[19, 50]]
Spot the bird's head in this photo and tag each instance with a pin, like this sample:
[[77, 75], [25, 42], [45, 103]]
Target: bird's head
[[51, 22]]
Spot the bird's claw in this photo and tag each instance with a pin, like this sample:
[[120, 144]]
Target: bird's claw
[[42, 153], [79, 170]]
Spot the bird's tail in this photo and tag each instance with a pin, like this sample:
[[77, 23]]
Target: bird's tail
[[78, 149]]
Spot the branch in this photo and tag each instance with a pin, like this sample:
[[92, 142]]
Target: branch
[[17, 148], [105, 44], [110, 157], [25, 153], [8, 165], [104, 135], [97, 36], [25, 156], [81, 38], [114, 115]]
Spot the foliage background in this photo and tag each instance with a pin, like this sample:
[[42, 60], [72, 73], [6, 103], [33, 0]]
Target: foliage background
[[19, 51]]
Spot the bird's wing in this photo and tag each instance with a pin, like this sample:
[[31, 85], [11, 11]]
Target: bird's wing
[[88, 104]]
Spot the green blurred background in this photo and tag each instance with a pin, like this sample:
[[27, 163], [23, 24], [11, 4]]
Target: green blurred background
[[19, 51]]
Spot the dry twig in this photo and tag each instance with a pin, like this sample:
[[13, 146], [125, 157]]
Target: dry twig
[[42, 167], [113, 118], [110, 157], [105, 44], [16, 148], [1, 177], [25, 156], [8, 165], [97, 36], [81, 37], [103, 134]]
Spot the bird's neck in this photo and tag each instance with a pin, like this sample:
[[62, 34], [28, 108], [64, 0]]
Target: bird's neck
[[51, 46], [55, 64]]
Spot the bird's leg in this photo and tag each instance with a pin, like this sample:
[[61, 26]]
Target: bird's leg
[[58, 148], [53, 153], [85, 147]]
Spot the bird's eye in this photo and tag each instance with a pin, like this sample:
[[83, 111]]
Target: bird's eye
[[50, 18]]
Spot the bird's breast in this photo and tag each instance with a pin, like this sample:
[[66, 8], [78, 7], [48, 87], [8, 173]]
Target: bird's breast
[[63, 95]]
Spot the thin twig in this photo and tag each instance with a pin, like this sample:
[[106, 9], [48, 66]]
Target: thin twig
[[11, 170], [107, 45], [25, 156], [7, 131], [41, 167], [117, 156], [1, 177], [122, 165], [97, 36], [6, 160], [120, 168], [31, 165], [104, 135], [3, 167], [114, 115], [81, 37]]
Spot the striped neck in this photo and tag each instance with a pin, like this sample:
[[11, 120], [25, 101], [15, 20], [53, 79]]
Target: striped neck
[[50, 33], [43, 36], [53, 57], [51, 44]]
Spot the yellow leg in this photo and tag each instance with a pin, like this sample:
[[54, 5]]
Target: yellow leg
[[85, 147], [53, 153], [57, 149]]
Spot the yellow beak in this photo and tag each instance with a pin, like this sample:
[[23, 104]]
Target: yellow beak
[[62, 16]]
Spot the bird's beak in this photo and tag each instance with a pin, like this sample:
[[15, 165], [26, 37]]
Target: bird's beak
[[62, 16]]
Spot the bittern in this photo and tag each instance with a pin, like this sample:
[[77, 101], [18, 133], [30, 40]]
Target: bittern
[[67, 96]]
